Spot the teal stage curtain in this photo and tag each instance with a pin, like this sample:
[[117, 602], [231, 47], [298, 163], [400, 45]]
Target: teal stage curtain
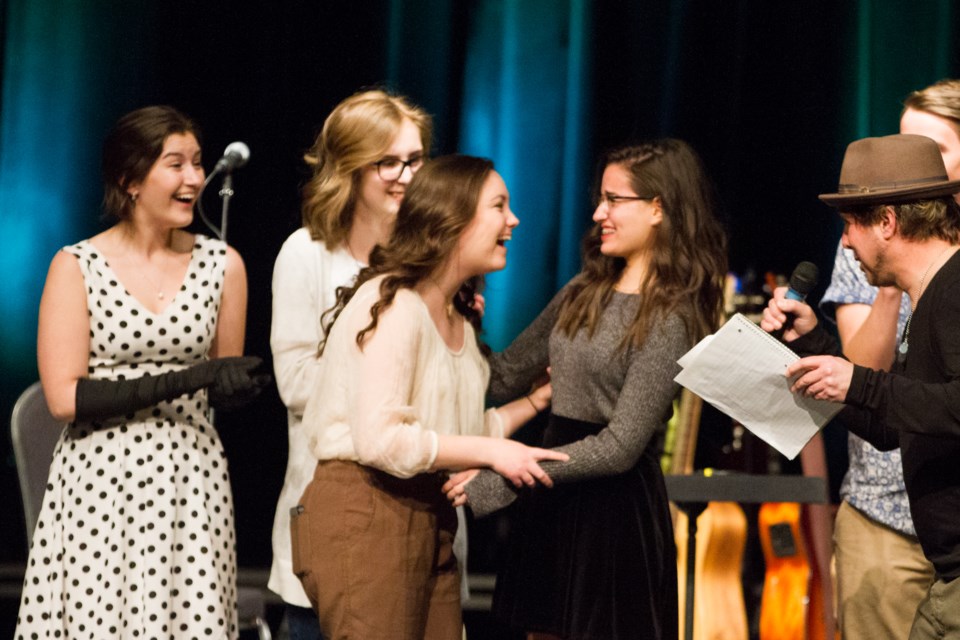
[[894, 49], [525, 105], [62, 62]]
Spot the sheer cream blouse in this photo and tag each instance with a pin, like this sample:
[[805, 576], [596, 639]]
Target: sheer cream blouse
[[384, 405]]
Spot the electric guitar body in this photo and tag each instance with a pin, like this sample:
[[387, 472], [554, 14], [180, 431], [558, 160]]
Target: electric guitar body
[[785, 605]]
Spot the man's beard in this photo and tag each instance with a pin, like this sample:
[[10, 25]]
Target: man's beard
[[877, 274]]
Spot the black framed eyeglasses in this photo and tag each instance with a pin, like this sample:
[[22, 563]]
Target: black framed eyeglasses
[[390, 169], [612, 199]]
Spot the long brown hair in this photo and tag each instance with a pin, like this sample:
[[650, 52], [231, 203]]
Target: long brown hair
[[356, 133], [440, 202], [689, 257]]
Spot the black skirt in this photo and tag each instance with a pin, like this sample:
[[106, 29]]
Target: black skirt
[[592, 560]]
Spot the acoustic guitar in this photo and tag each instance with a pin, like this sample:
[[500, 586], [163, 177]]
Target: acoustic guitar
[[719, 608]]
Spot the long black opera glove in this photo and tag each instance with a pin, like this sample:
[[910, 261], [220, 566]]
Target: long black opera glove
[[234, 387], [229, 379]]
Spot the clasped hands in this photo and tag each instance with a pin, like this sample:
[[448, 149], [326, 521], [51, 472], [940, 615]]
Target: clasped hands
[[818, 377], [517, 463], [521, 467]]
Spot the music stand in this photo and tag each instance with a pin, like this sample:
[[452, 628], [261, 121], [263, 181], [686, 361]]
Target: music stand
[[692, 493]]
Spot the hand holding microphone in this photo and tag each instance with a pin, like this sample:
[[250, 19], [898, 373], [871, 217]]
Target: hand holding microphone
[[802, 281], [787, 316]]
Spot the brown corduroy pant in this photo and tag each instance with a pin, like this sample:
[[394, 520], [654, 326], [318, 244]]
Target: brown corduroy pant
[[375, 555]]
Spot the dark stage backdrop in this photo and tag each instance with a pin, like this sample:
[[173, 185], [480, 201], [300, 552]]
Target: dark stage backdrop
[[770, 93]]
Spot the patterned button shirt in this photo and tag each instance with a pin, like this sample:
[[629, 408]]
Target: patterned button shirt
[[874, 480]]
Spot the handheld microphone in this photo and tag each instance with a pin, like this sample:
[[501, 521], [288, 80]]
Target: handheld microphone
[[234, 156], [802, 282]]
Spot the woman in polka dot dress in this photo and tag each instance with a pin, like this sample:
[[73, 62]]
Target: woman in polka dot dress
[[135, 538]]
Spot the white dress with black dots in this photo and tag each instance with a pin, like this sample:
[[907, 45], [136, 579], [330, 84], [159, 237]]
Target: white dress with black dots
[[136, 537]]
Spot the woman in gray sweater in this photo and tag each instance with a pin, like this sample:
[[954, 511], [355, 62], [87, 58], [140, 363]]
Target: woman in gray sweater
[[594, 557]]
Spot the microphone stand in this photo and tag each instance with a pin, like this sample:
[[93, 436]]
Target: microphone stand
[[226, 192]]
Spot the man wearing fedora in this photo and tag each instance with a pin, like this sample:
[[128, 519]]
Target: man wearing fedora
[[903, 226], [881, 572]]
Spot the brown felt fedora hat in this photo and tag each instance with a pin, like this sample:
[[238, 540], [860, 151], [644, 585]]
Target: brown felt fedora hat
[[890, 170]]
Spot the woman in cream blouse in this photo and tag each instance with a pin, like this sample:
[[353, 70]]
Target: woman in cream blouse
[[402, 400]]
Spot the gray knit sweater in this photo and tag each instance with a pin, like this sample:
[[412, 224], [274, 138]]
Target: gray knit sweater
[[594, 380]]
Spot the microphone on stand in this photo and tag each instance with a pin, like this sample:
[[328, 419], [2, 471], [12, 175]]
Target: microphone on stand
[[235, 156]]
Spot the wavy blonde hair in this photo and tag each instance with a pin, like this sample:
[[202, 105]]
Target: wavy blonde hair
[[941, 99], [355, 134]]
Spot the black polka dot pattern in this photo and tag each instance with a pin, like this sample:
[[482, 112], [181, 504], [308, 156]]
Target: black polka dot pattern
[[136, 536]]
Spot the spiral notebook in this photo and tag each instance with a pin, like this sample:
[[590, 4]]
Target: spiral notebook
[[740, 371]]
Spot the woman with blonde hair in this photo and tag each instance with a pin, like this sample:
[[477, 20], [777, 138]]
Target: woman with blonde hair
[[400, 399], [362, 161]]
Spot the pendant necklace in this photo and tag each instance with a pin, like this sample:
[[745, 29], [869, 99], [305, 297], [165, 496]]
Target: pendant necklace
[[905, 344], [153, 283], [146, 265], [448, 304]]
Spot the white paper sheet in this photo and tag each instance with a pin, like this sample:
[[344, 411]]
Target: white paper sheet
[[740, 371]]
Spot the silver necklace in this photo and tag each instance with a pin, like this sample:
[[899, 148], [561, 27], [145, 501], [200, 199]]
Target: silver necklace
[[905, 344]]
